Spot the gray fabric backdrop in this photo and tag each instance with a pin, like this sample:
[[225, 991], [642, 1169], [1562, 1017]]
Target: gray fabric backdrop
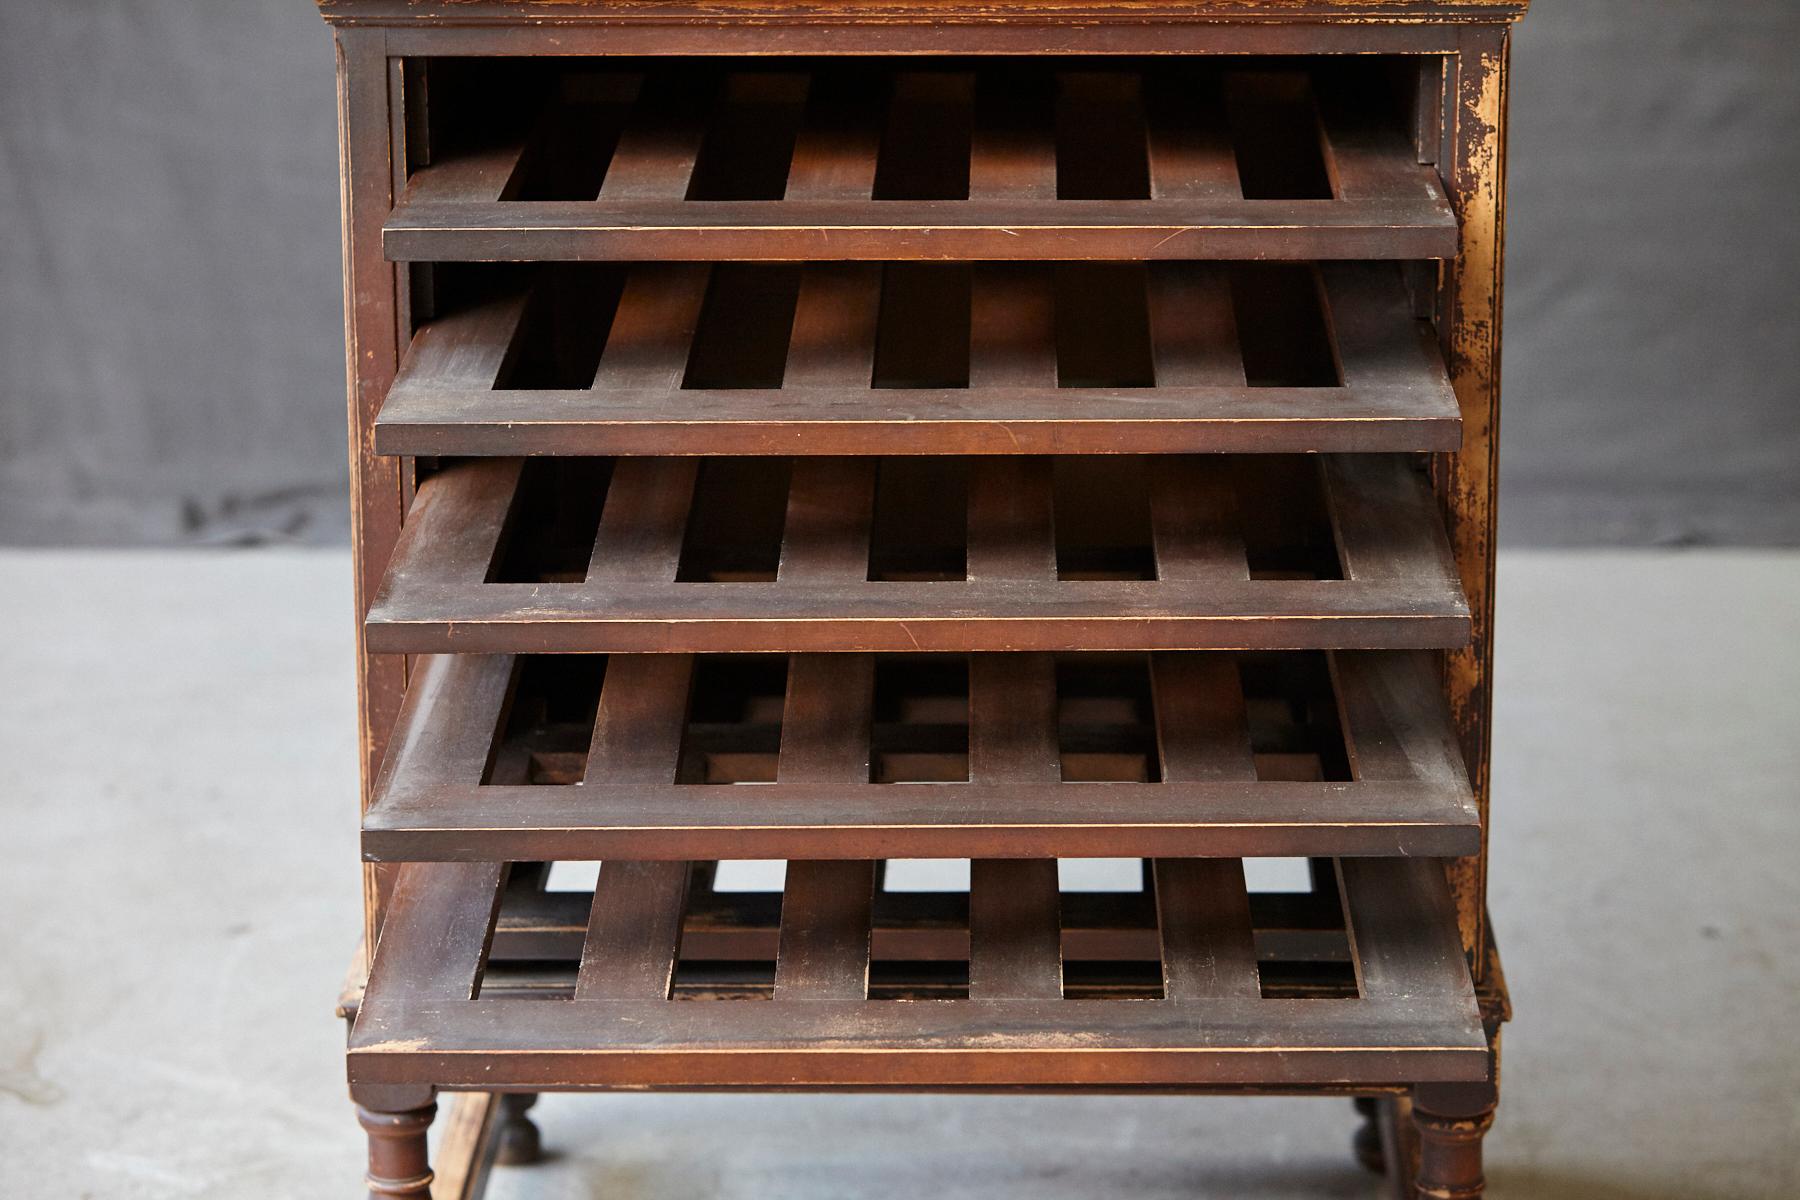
[[170, 341]]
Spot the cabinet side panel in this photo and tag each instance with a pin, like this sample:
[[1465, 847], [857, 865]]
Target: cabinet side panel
[[371, 341], [1474, 167]]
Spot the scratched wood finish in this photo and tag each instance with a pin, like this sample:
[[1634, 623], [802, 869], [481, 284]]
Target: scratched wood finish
[[1410, 1016], [1390, 392], [1408, 792], [1398, 589], [1084, 163], [658, 202]]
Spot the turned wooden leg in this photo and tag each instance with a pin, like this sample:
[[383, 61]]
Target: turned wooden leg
[[1451, 1119], [1366, 1142], [399, 1164], [519, 1144]]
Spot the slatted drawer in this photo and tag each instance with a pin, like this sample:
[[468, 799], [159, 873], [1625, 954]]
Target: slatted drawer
[[872, 160], [1119, 553], [855, 756], [851, 986], [927, 358]]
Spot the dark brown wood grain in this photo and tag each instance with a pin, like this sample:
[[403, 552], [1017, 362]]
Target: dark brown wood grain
[[1421, 1027], [1399, 590], [1394, 394], [827, 487], [1409, 793]]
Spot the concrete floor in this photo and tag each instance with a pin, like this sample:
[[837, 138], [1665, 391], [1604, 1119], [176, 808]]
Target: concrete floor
[[180, 899]]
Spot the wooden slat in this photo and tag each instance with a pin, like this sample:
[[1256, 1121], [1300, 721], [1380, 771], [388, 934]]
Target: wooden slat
[[1012, 328], [425, 228], [473, 177], [1392, 707], [1193, 327], [654, 159], [1392, 612], [1190, 154], [826, 721], [1379, 344], [935, 820], [1011, 520], [840, 136], [454, 526], [1399, 955], [833, 340], [434, 939], [446, 726], [825, 915], [1203, 733], [634, 932], [1386, 529], [875, 1043], [1194, 524], [846, 419], [1202, 905], [639, 723], [644, 521], [825, 536], [1370, 162], [1015, 939], [1203, 911], [653, 328], [1015, 944], [463, 349]]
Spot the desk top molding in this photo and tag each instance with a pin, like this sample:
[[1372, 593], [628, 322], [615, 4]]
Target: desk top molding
[[911, 12]]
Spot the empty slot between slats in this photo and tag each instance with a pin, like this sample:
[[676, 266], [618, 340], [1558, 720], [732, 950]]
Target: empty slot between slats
[[741, 340], [563, 329], [1295, 731], [1114, 877], [550, 527], [1102, 520], [1103, 326], [920, 530], [733, 729], [547, 722], [921, 720], [1102, 152], [1279, 876], [1282, 326], [925, 139], [922, 337], [568, 153], [749, 145], [1105, 724], [1275, 129], [734, 528]]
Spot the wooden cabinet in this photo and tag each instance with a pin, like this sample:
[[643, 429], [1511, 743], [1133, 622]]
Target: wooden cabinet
[[839, 434]]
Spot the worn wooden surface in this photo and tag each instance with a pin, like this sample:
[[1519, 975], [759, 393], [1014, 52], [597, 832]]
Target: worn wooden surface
[[1407, 1014], [823, 556], [1473, 155], [437, 13], [1392, 583], [458, 393], [647, 787]]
